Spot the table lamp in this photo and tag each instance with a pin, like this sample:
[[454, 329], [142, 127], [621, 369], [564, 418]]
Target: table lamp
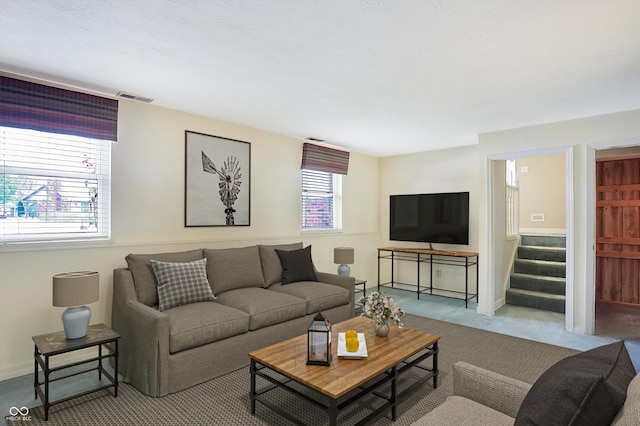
[[73, 290], [343, 256]]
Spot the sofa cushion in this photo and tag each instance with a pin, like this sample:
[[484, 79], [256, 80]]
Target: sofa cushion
[[297, 265], [234, 268], [459, 411], [271, 266], [587, 388], [319, 296], [197, 324], [181, 283], [143, 276], [630, 411], [265, 307]]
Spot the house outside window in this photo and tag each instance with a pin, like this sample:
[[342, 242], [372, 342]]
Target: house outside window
[[53, 186], [321, 201]]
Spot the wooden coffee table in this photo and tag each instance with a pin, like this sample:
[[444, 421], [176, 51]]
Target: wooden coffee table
[[346, 380]]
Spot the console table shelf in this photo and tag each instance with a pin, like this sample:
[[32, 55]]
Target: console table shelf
[[432, 257]]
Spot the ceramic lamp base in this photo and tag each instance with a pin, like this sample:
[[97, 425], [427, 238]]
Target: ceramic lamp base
[[76, 321], [344, 270]]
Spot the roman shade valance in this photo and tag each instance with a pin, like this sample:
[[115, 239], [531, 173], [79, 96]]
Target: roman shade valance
[[323, 159], [28, 105]]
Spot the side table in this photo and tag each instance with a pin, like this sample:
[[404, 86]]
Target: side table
[[51, 344], [360, 287]]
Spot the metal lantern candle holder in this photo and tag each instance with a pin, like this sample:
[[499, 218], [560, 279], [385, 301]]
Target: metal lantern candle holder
[[319, 341]]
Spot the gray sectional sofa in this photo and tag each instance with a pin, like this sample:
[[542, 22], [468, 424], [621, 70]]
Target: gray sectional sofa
[[162, 352]]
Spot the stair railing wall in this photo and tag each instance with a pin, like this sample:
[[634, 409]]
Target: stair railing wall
[[513, 211]]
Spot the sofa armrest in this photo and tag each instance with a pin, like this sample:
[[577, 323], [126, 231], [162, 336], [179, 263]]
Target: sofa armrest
[[144, 343], [630, 411], [491, 389], [348, 283]]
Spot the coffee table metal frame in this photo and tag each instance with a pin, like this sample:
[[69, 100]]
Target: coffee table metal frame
[[333, 406]]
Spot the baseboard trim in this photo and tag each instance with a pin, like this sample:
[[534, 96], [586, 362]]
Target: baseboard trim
[[543, 231], [617, 304]]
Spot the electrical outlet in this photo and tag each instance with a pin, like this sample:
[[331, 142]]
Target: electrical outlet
[[438, 273]]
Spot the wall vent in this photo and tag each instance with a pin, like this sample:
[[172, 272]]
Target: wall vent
[[134, 97], [537, 217]]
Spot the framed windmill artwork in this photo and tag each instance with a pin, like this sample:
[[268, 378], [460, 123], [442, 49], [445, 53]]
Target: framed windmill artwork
[[217, 181]]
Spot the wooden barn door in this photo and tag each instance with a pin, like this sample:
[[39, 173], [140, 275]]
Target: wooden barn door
[[618, 231]]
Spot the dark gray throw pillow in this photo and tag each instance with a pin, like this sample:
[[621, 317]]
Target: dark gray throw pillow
[[585, 389], [297, 265]]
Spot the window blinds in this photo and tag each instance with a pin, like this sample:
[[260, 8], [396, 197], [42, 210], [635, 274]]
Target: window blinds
[[53, 187], [28, 105], [321, 200], [323, 159]]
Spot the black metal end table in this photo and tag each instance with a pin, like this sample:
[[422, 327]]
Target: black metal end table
[[51, 344]]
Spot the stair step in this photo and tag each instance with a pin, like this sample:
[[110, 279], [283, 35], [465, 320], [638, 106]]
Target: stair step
[[556, 254], [540, 267], [536, 299], [543, 240], [552, 285]]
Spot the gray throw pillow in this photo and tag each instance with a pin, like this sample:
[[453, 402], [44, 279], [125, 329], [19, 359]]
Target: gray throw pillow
[[271, 266], [181, 283], [233, 268], [297, 265], [585, 389], [143, 277]]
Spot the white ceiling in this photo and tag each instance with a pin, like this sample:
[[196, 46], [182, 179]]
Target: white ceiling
[[381, 77]]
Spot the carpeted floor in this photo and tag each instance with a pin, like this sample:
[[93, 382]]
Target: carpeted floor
[[225, 400]]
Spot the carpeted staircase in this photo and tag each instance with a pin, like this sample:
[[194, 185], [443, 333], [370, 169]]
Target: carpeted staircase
[[538, 278]]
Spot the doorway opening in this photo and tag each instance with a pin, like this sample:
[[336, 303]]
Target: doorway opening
[[502, 245], [617, 275]]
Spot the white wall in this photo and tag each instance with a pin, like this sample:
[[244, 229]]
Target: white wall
[[502, 256], [542, 191], [147, 217], [578, 138], [447, 170], [148, 204]]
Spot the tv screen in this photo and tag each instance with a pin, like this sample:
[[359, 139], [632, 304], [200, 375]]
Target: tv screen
[[430, 218]]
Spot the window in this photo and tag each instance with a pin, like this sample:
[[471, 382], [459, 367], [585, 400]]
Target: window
[[512, 179], [322, 170], [321, 200], [55, 156], [512, 199], [53, 186]]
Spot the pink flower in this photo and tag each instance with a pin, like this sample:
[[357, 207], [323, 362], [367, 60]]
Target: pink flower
[[379, 307]]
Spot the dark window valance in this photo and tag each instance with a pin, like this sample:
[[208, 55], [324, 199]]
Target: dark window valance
[[323, 159], [35, 106]]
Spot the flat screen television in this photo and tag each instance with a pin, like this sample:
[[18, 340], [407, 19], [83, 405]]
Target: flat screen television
[[430, 218]]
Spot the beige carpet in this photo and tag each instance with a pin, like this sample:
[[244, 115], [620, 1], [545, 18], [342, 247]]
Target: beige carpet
[[225, 400]]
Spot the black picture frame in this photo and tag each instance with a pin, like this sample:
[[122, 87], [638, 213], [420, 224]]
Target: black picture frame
[[217, 181]]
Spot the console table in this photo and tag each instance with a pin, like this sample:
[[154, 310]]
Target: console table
[[432, 257]]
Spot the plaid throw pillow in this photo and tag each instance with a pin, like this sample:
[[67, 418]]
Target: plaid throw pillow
[[181, 283]]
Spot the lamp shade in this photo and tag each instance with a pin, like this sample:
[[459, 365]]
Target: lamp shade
[[75, 288], [343, 255]]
